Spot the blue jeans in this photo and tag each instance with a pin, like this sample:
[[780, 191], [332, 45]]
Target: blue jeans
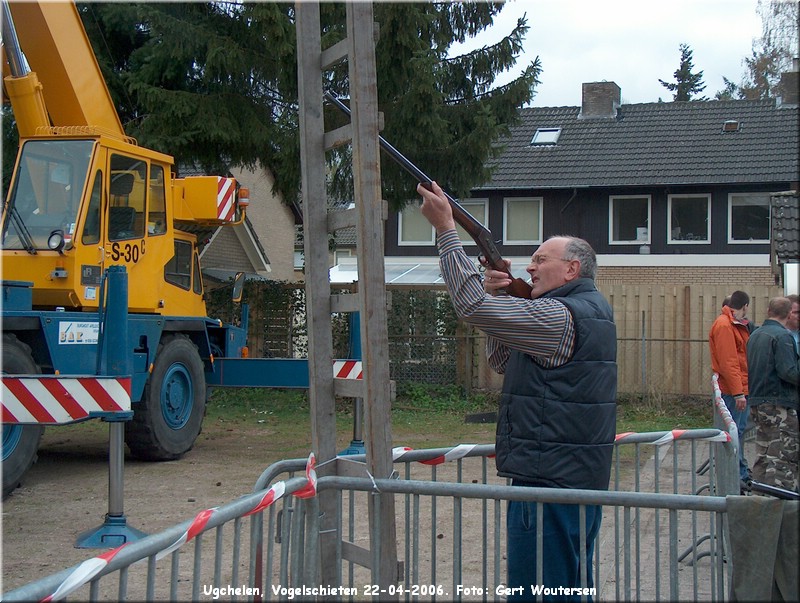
[[740, 418], [560, 547]]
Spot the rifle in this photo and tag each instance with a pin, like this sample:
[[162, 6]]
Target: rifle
[[479, 233]]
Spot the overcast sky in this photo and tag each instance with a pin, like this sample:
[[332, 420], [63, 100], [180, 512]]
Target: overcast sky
[[630, 42]]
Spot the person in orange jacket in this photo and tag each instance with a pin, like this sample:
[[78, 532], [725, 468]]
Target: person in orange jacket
[[728, 342]]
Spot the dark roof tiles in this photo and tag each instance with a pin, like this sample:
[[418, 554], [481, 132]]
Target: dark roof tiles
[[786, 227], [652, 143]]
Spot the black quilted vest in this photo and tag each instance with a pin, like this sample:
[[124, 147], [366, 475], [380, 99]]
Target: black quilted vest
[[556, 426]]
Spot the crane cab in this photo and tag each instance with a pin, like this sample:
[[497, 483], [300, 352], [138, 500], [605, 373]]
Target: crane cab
[[79, 204]]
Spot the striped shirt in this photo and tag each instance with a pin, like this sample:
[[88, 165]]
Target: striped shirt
[[542, 327]]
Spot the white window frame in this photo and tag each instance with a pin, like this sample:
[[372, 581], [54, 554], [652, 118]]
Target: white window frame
[[545, 137], [733, 241], [338, 254], [400, 217], [670, 198], [611, 240], [535, 241], [463, 235]]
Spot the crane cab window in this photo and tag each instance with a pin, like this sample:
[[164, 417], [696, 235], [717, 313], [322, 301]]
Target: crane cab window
[[91, 224], [198, 278], [157, 211], [178, 270], [127, 198], [47, 192]]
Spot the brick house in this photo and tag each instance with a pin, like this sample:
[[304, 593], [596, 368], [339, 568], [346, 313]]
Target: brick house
[[675, 192]]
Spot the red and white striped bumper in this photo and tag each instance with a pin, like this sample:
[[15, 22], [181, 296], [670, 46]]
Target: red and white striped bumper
[[347, 369], [55, 400]]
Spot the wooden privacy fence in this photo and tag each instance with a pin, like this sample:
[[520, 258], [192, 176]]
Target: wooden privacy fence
[[662, 335]]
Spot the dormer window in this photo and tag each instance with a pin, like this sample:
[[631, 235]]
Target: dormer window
[[546, 136], [731, 125]]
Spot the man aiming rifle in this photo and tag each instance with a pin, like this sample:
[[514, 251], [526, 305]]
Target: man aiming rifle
[[557, 416], [555, 341]]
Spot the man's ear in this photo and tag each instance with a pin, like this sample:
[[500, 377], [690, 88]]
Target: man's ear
[[573, 270]]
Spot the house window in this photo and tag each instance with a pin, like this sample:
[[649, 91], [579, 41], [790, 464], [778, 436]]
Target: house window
[[629, 220], [522, 221], [478, 209], [748, 218], [546, 136], [338, 254], [413, 227], [689, 219]]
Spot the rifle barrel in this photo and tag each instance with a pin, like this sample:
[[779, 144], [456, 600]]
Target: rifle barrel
[[401, 159], [466, 220]]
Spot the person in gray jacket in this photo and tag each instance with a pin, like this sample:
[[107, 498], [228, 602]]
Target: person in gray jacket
[[774, 375]]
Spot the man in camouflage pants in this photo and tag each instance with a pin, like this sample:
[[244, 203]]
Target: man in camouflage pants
[[774, 375]]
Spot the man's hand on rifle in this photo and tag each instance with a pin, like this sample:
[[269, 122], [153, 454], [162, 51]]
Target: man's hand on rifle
[[495, 281], [436, 208]]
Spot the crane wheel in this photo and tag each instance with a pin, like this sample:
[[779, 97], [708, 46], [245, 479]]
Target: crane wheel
[[20, 442], [168, 420]]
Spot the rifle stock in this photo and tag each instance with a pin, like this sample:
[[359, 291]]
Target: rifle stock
[[479, 233]]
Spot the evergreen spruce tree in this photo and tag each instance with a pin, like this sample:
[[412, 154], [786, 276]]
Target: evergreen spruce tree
[[728, 92], [210, 83], [687, 83], [215, 85]]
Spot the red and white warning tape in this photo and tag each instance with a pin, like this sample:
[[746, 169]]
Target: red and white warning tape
[[91, 567], [83, 573], [455, 453], [274, 493], [722, 409], [675, 434]]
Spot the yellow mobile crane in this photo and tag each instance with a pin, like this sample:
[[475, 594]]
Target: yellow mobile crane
[[85, 197]]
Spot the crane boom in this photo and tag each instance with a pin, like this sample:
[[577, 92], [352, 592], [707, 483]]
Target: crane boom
[[54, 41]]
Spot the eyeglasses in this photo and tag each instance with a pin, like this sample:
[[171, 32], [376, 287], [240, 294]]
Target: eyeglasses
[[541, 259]]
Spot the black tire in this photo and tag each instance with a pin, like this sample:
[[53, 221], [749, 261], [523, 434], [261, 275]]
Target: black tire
[[168, 420], [20, 442]]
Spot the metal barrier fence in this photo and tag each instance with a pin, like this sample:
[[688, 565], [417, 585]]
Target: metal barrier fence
[[661, 538]]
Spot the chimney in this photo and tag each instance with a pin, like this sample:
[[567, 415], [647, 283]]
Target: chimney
[[600, 100], [788, 87]]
